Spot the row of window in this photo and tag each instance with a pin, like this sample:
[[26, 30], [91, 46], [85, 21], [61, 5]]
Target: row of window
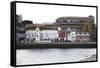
[[71, 20], [79, 28], [74, 24]]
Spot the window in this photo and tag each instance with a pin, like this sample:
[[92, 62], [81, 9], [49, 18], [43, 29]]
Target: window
[[85, 33], [91, 21], [64, 21], [68, 20]]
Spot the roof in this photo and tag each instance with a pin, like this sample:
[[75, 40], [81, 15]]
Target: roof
[[27, 22], [74, 19], [82, 34]]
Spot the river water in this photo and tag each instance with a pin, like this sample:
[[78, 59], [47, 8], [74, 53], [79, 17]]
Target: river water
[[57, 55]]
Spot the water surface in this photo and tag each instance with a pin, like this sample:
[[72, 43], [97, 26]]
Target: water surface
[[57, 55]]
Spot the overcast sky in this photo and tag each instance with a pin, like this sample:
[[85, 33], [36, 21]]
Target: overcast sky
[[40, 13]]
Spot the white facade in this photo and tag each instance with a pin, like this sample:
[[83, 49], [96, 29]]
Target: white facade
[[72, 36], [30, 34], [83, 36], [40, 35], [49, 34]]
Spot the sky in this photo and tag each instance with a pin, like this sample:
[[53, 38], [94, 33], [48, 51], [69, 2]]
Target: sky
[[41, 13]]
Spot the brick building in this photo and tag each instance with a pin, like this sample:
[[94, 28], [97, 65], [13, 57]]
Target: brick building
[[84, 24]]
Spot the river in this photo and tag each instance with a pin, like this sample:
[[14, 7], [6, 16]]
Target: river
[[57, 55]]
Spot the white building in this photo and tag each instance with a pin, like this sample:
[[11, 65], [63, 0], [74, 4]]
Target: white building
[[82, 37], [72, 36], [30, 35], [49, 34], [38, 35]]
